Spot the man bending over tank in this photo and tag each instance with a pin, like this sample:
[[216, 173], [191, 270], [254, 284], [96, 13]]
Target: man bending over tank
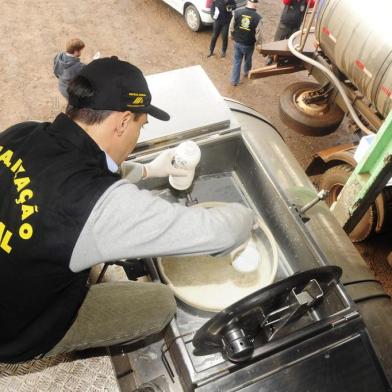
[[65, 208]]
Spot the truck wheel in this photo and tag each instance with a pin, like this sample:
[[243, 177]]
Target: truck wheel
[[308, 119], [333, 181], [192, 18]]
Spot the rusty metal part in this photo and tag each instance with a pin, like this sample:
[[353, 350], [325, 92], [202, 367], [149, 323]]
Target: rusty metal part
[[275, 69], [281, 48], [365, 226], [307, 24], [344, 153], [364, 108]]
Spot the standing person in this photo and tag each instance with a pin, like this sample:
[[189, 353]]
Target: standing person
[[65, 209], [221, 24], [290, 21], [66, 65], [245, 29]]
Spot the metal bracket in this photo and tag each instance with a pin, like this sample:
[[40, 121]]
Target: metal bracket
[[301, 211], [190, 201], [264, 315], [238, 342], [295, 305]]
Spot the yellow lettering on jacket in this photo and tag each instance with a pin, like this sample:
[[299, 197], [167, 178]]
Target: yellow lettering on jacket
[[20, 169], [25, 231], [25, 195], [6, 157], [21, 183], [5, 237], [16, 165], [28, 210]]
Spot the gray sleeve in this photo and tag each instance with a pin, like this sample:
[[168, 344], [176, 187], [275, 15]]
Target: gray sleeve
[[131, 171], [128, 222], [75, 70], [231, 26], [259, 32]]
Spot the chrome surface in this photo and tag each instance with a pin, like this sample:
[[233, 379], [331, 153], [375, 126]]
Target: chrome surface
[[193, 102], [232, 169], [245, 160], [356, 36]]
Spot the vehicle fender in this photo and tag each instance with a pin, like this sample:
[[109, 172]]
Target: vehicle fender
[[333, 156]]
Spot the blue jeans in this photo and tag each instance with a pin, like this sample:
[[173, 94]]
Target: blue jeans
[[241, 52]]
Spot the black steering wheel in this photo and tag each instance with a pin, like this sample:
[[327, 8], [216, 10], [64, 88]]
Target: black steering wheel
[[233, 330]]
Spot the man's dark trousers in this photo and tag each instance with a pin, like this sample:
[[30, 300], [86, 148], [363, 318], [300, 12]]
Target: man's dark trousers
[[220, 27]]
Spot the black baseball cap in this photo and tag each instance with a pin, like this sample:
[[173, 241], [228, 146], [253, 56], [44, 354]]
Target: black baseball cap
[[118, 86]]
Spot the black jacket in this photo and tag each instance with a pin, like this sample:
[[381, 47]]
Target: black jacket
[[246, 21], [225, 8], [293, 14], [51, 176]]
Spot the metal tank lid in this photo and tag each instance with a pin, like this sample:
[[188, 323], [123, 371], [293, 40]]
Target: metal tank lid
[[194, 104]]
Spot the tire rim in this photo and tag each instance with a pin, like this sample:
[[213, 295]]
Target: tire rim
[[313, 110], [192, 18], [364, 226]]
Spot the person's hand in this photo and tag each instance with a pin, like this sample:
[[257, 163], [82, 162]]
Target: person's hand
[[162, 166], [259, 48], [97, 55]]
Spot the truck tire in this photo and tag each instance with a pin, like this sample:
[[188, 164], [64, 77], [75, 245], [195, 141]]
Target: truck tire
[[192, 18], [333, 181], [326, 121]]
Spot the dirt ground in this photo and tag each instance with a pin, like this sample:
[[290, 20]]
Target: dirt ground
[[154, 37]]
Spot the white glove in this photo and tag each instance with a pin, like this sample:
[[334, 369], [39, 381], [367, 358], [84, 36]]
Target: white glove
[[246, 258], [97, 55], [162, 166]]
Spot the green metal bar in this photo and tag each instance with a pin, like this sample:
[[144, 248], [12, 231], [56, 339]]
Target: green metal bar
[[368, 179]]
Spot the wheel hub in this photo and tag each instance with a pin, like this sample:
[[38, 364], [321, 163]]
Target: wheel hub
[[310, 109], [191, 18]]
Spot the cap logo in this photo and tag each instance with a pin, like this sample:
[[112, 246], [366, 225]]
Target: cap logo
[[138, 100]]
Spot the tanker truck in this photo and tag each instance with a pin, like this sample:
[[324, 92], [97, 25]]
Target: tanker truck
[[346, 46], [312, 317]]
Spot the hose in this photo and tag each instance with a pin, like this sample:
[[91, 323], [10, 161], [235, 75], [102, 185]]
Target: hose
[[332, 77]]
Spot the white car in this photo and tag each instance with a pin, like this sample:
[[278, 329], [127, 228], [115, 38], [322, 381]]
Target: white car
[[196, 12]]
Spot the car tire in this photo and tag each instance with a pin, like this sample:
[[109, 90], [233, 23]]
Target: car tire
[[302, 122], [333, 181], [192, 18]]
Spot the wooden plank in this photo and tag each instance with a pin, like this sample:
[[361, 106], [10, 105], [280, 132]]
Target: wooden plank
[[274, 69]]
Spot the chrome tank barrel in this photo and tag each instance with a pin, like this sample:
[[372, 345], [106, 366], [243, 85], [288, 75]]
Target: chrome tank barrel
[[356, 35], [333, 243]]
